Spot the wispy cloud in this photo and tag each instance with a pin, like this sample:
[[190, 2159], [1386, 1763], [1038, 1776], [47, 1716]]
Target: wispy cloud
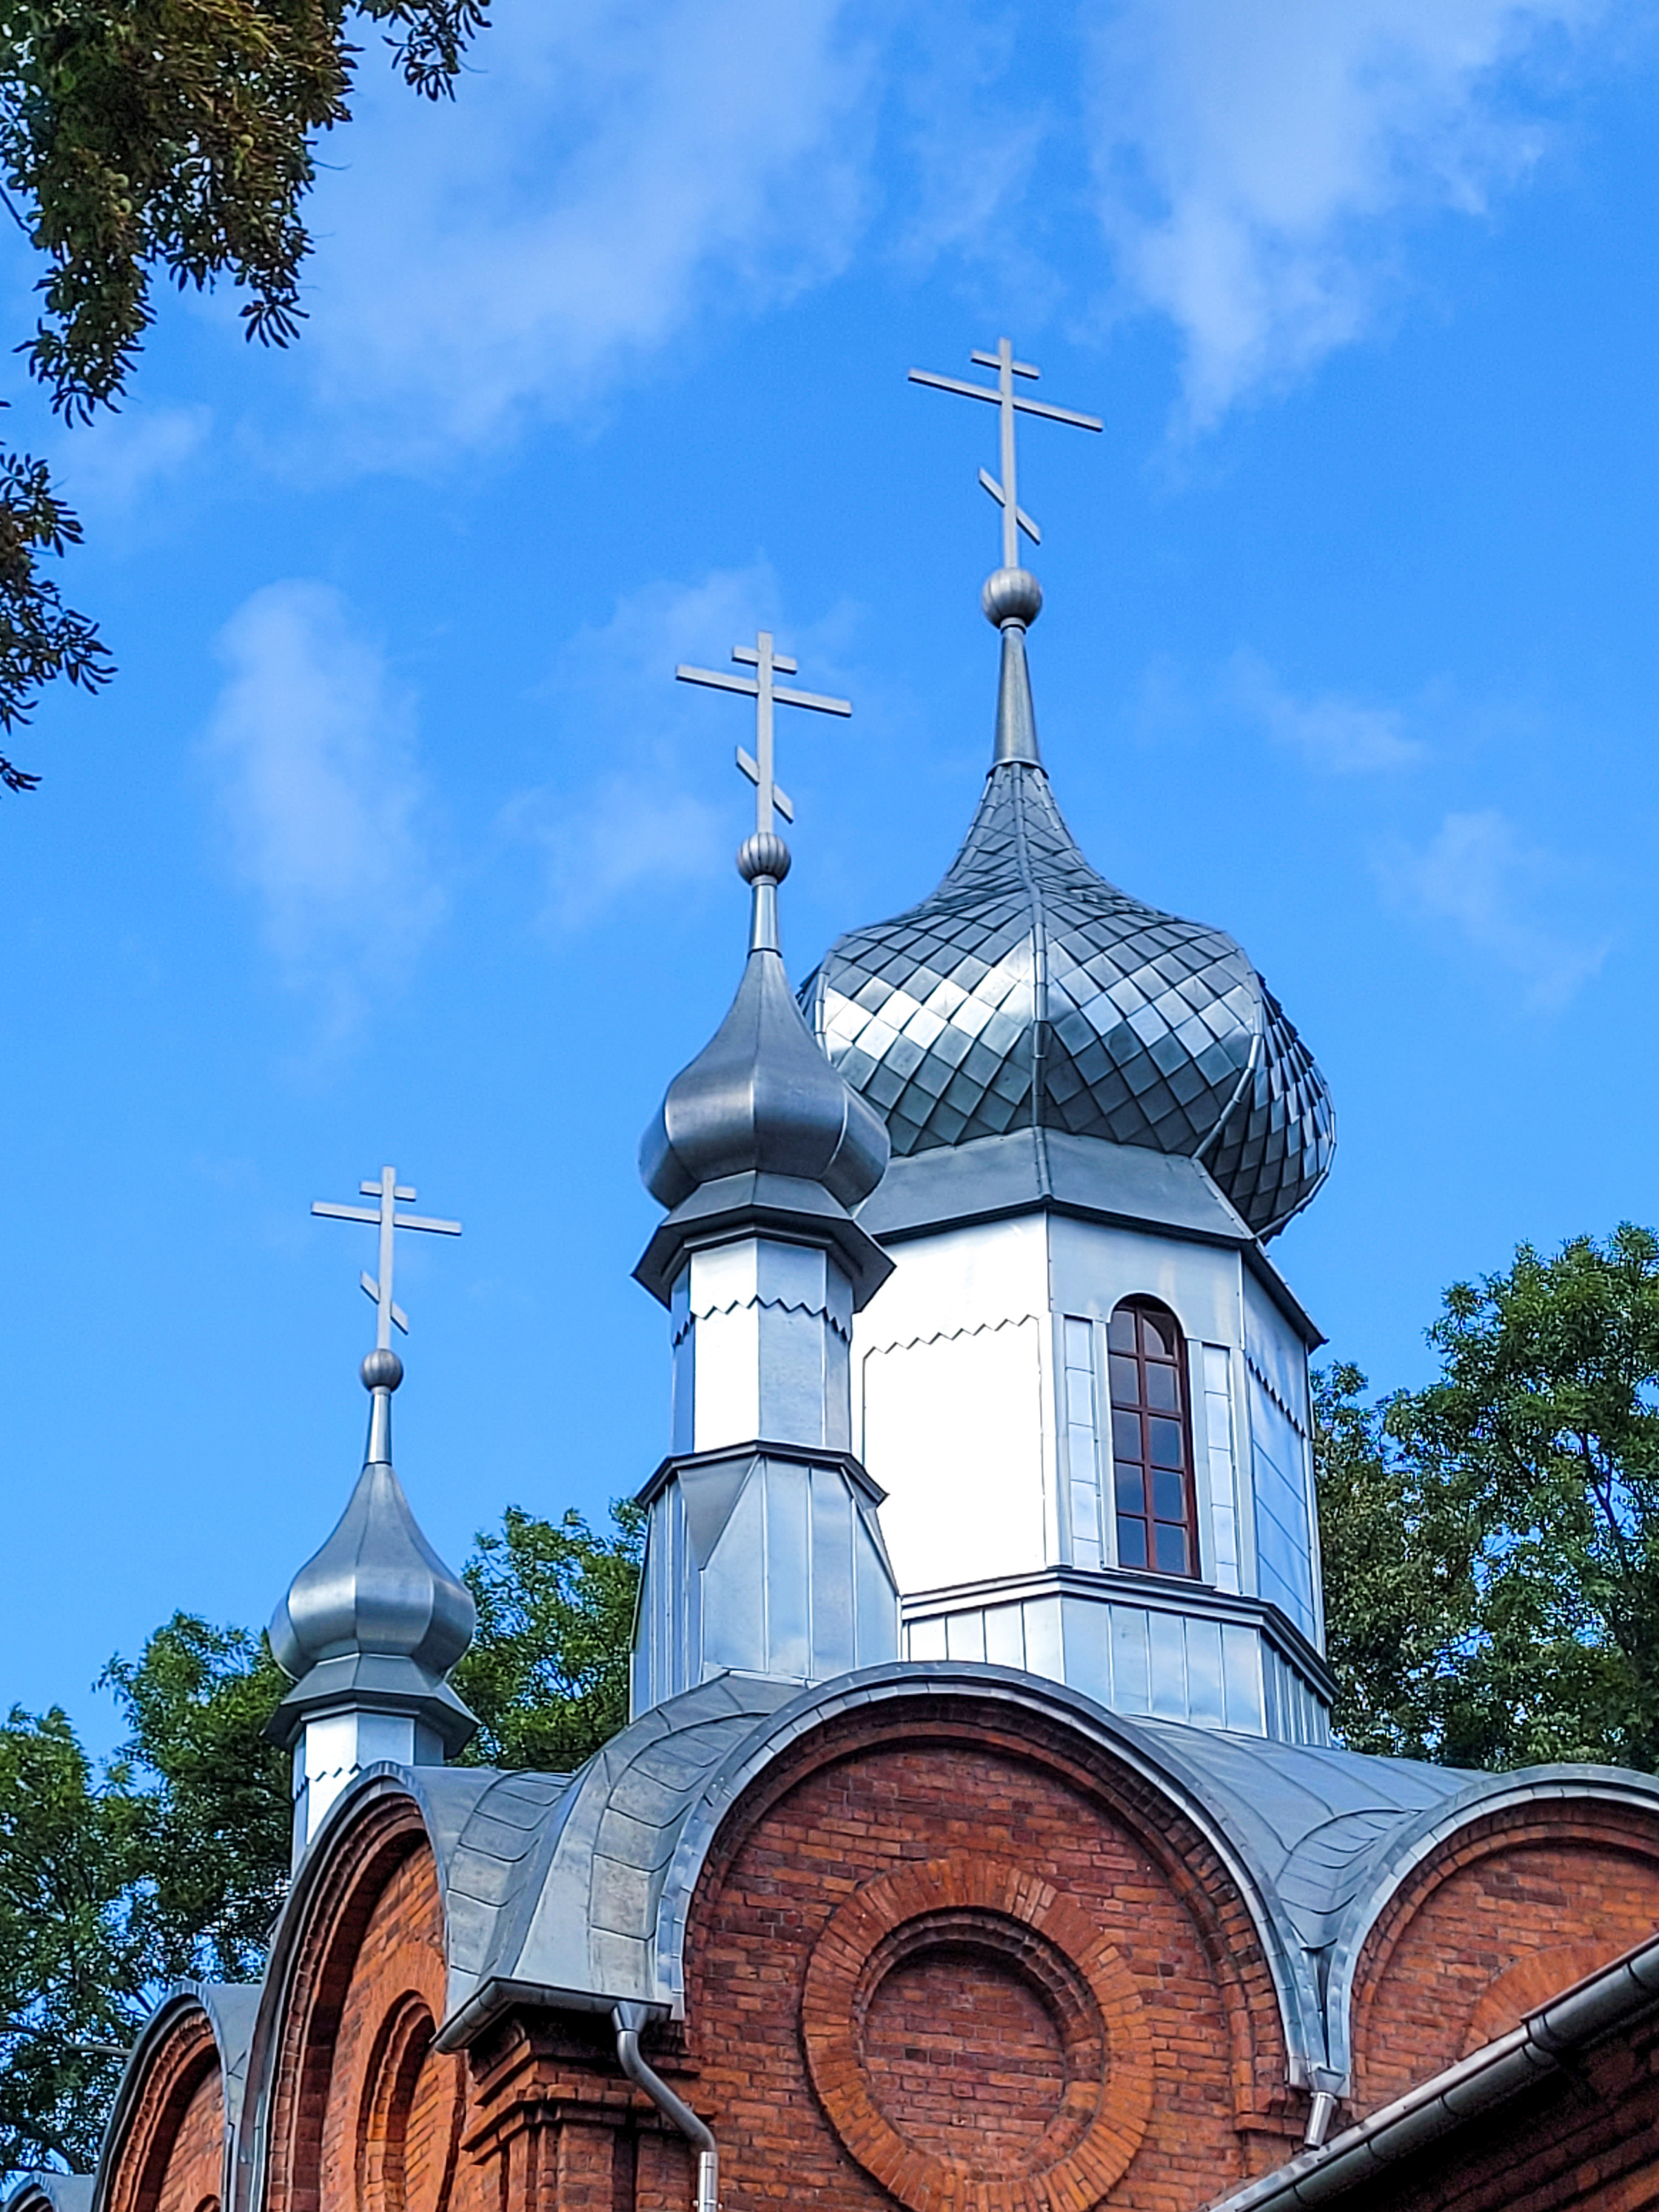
[[611, 169], [1481, 875], [1335, 735], [1254, 161], [109, 465], [641, 819], [321, 793]]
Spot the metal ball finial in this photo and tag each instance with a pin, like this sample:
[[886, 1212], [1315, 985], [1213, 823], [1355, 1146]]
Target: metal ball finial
[[764, 854], [1012, 595], [382, 1370]]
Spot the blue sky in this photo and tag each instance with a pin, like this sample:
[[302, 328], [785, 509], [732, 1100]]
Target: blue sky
[[396, 840]]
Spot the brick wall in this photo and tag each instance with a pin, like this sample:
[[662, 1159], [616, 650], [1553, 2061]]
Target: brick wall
[[1459, 1954], [938, 1959], [966, 2051], [1583, 2141], [170, 2154], [367, 2117]]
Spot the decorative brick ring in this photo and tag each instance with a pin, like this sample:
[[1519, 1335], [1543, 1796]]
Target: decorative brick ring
[[976, 2041]]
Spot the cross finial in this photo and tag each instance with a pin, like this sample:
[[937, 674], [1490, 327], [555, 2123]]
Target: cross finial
[[766, 661], [763, 859], [385, 1217], [1009, 403]]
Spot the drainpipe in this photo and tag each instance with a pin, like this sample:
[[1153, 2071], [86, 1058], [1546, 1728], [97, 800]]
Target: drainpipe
[[628, 2019], [1320, 2116]]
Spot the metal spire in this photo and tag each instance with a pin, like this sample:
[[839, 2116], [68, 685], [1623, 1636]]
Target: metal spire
[[1009, 403], [763, 859], [382, 1371]]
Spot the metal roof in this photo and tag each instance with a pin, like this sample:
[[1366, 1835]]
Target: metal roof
[[1029, 992], [572, 1891]]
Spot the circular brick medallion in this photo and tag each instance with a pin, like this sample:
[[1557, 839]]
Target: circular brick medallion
[[976, 2041]]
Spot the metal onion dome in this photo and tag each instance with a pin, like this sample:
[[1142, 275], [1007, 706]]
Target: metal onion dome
[[1028, 990], [760, 1098], [375, 1619]]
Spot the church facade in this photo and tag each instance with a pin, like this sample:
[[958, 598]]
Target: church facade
[[978, 1843]]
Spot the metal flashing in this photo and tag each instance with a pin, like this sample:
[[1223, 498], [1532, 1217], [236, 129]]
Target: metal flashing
[[1157, 1593]]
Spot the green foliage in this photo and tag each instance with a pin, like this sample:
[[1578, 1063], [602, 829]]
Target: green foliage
[[547, 1675], [1492, 1541], [196, 1702], [173, 1861], [176, 138], [74, 1962]]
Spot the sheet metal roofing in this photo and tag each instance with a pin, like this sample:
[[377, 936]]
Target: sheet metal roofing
[[1028, 991], [573, 1892]]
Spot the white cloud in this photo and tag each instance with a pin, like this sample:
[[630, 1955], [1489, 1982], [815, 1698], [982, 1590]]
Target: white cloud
[[109, 465], [1249, 158], [1478, 874], [609, 169], [1335, 735], [320, 792]]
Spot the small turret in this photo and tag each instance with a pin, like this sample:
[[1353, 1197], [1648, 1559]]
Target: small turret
[[764, 1552], [372, 1623]]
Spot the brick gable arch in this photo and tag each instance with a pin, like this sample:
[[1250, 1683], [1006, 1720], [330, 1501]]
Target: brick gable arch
[[932, 1906], [166, 2148], [1532, 1886], [353, 2109]]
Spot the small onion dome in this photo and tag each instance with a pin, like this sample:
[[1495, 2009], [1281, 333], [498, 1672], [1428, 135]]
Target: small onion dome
[[1028, 990], [376, 1618], [760, 1098]]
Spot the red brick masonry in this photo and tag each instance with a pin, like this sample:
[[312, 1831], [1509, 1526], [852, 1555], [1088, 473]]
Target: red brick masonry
[[937, 1958]]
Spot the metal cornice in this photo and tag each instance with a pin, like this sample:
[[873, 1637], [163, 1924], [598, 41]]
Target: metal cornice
[[796, 1455]]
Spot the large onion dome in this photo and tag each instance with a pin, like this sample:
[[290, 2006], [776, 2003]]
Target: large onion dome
[[1030, 991]]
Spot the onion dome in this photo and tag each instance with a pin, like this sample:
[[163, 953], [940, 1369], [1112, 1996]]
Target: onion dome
[[375, 1619], [760, 1098], [761, 1123], [1030, 992]]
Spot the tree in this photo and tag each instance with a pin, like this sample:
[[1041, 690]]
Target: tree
[[547, 1675], [170, 137], [73, 1964], [219, 1828], [173, 1861], [1492, 1540]]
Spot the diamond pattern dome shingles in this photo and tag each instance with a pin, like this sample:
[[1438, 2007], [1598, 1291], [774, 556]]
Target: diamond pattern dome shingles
[[1148, 1030]]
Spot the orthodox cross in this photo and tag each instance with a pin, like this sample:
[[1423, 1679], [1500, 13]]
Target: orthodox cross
[[766, 694], [386, 1219], [1009, 403]]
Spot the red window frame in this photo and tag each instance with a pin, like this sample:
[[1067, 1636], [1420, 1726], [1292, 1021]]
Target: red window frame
[[1155, 1499]]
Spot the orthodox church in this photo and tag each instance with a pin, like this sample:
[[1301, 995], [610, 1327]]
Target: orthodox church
[[978, 1843]]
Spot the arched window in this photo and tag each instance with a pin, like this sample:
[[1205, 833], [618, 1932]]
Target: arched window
[[1151, 1440]]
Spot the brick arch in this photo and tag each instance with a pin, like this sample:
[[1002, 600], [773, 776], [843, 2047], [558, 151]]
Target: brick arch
[[357, 2097], [167, 2154], [1529, 1895], [879, 1788]]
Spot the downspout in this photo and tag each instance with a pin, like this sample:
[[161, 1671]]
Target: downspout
[[628, 2019]]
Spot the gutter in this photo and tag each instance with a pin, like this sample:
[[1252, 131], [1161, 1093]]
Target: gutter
[[1610, 1998], [628, 2019]]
